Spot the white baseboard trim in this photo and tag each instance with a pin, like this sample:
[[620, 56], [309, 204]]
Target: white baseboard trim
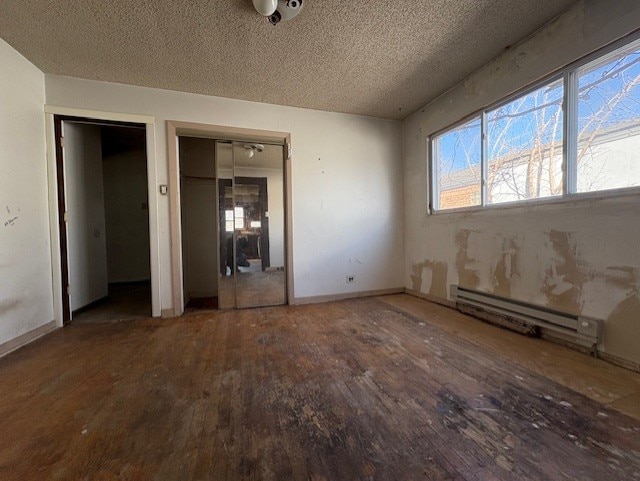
[[298, 301], [26, 338], [427, 297]]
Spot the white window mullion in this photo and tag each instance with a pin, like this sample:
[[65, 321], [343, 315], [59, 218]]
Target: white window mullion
[[434, 170], [570, 144], [484, 162]]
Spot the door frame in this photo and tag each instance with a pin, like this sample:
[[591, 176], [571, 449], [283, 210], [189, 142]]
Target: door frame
[[56, 191], [176, 129], [62, 223]]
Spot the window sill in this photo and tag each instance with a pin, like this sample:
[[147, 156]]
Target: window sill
[[567, 199]]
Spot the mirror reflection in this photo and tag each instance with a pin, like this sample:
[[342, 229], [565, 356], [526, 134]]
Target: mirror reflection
[[258, 217], [251, 224]]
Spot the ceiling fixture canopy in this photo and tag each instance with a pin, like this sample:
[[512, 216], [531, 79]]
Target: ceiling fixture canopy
[[278, 10]]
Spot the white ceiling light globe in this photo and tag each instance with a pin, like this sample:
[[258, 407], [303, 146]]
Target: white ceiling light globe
[[265, 7]]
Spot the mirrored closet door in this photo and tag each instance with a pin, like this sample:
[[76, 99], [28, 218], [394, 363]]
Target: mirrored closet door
[[251, 224]]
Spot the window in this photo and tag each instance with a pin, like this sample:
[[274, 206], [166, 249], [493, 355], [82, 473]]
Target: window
[[608, 154], [524, 146], [529, 147], [229, 219], [457, 154], [239, 213]]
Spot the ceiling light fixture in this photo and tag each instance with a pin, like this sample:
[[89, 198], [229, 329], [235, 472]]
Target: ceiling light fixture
[[251, 149], [265, 7], [278, 10]]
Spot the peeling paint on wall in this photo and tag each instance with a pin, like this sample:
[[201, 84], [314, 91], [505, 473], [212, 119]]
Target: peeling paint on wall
[[416, 277], [439, 271], [622, 328], [467, 276], [439, 274], [624, 277], [566, 273], [506, 270]]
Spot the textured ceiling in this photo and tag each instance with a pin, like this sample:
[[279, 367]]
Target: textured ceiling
[[373, 57]]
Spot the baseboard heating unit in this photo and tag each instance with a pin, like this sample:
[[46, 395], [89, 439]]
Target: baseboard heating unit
[[528, 318]]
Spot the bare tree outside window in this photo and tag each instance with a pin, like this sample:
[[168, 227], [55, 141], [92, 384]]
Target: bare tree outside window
[[525, 146]]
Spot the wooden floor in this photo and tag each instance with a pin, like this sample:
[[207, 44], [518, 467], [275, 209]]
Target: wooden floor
[[389, 388], [125, 301]]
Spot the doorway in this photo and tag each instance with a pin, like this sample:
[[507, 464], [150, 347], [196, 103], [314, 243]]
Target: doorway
[[233, 217], [103, 211]]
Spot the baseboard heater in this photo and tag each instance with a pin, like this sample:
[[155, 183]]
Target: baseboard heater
[[528, 318]]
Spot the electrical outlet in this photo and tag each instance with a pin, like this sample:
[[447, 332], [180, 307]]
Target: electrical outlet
[[351, 279]]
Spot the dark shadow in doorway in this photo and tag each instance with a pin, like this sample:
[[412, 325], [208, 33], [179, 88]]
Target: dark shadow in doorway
[[202, 304], [126, 301]]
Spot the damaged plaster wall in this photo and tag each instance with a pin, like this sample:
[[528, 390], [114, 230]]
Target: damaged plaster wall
[[26, 301], [580, 256]]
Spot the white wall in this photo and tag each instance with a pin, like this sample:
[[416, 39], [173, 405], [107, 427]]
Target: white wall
[[347, 179], [86, 240], [26, 301], [126, 216], [578, 257]]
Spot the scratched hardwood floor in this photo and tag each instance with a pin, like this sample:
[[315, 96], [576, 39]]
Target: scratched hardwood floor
[[352, 390]]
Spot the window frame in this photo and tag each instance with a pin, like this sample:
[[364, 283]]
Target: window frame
[[569, 77]]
